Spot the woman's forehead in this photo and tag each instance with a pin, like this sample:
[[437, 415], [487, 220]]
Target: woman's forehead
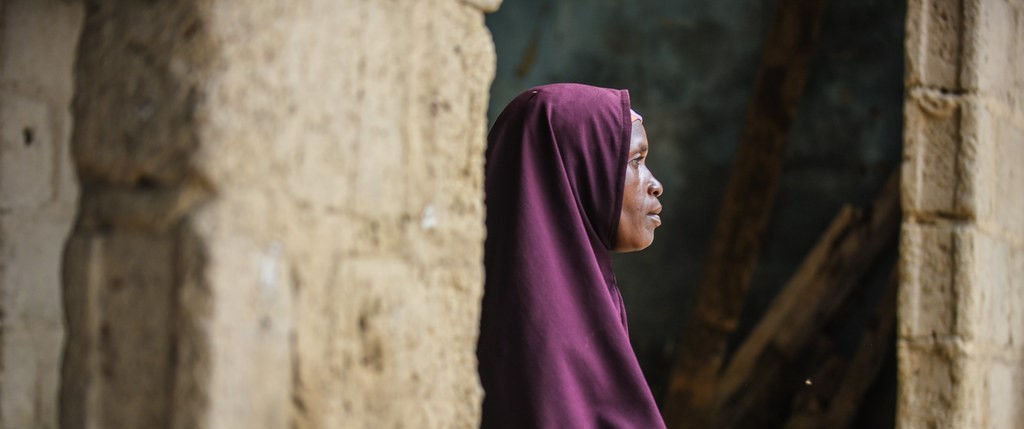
[[634, 117], [638, 137]]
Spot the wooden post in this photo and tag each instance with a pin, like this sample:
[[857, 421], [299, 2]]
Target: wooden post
[[745, 210]]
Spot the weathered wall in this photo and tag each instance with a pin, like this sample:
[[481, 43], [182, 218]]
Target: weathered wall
[[37, 201], [961, 336], [281, 220]]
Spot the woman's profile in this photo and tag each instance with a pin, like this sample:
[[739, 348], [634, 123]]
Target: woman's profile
[[566, 185]]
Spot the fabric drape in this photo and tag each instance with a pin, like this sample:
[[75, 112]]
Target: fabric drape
[[554, 350]]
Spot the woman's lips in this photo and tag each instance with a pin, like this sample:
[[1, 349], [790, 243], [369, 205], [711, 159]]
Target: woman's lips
[[655, 215]]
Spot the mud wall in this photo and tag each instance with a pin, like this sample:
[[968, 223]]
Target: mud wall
[[962, 253], [38, 193], [281, 217]]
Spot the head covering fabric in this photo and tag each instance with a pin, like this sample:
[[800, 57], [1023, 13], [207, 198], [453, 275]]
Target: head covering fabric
[[554, 350]]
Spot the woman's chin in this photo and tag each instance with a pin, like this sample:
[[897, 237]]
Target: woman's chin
[[635, 246]]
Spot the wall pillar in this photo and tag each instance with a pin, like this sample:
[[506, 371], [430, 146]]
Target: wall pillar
[[961, 333], [281, 221], [37, 202]]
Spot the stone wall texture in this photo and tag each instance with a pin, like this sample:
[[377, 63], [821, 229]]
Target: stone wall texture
[[281, 216], [37, 202], [961, 332]]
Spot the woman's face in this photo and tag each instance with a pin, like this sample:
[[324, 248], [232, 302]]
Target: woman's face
[[641, 210]]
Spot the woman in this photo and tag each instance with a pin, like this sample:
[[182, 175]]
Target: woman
[[567, 184]]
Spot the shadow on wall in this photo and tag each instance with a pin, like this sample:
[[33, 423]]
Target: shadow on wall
[[690, 67]]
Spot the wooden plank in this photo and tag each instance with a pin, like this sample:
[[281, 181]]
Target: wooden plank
[[835, 266], [867, 361], [745, 210], [811, 403], [818, 362], [835, 407]]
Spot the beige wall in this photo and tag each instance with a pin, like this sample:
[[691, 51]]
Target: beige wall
[[282, 214], [37, 201], [961, 338]]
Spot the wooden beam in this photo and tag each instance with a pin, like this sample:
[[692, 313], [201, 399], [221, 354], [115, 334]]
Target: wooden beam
[[867, 361], [811, 403], [835, 405], [834, 268], [745, 210]]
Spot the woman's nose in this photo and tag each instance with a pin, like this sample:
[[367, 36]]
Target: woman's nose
[[655, 187]]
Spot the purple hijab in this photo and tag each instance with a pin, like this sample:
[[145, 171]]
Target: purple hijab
[[554, 351]]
